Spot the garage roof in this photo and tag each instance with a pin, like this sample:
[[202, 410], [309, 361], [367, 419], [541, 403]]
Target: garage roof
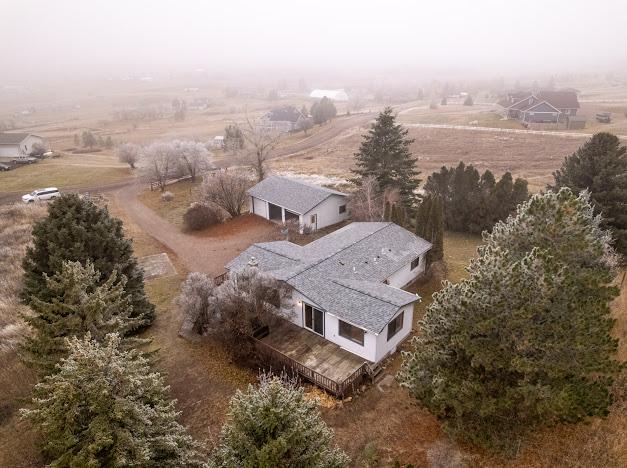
[[296, 196]]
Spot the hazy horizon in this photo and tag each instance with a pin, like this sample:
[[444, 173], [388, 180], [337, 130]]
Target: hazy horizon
[[74, 39]]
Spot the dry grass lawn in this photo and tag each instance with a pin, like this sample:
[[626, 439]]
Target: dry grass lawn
[[185, 192], [66, 172]]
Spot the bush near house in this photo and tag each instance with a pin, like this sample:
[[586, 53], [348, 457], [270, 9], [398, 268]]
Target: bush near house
[[200, 216]]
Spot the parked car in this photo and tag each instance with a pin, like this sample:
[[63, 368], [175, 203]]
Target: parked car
[[5, 167], [27, 160], [41, 194], [604, 117]]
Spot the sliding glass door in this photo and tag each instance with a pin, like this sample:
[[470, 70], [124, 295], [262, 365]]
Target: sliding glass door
[[314, 319]]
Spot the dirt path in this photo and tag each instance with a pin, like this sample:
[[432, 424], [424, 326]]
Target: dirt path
[[206, 252]]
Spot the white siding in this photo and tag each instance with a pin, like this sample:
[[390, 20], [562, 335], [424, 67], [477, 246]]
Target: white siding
[[385, 347], [327, 212], [375, 347], [259, 207], [9, 151], [406, 275], [368, 351]]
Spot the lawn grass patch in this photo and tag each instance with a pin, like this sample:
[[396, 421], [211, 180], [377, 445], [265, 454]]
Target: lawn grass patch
[[185, 192], [52, 173]]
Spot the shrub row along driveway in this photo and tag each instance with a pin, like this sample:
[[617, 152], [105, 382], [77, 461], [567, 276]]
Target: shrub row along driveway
[[207, 251]]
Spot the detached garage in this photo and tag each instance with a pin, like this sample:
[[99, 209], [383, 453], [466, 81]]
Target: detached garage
[[281, 199]]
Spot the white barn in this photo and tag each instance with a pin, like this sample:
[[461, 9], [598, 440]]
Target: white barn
[[346, 286], [281, 199], [17, 145], [333, 94]]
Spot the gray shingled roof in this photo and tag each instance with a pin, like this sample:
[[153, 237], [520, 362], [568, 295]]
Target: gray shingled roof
[[12, 138], [343, 272], [296, 196]]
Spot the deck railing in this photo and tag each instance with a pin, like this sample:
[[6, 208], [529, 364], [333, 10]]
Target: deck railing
[[218, 280], [339, 389]]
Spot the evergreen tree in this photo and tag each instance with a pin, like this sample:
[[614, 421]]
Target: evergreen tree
[[430, 225], [80, 304], [106, 407], [526, 339], [78, 230], [323, 110], [384, 154], [600, 166], [474, 202], [274, 425]]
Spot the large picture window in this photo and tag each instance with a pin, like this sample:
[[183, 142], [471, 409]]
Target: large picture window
[[395, 325], [351, 332]]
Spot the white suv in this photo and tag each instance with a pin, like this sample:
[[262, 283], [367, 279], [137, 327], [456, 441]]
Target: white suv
[[41, 194]]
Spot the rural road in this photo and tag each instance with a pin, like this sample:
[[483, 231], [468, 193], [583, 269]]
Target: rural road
[[506, 130]]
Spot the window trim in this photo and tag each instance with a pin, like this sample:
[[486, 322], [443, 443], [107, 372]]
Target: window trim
[[342, 209], [393, 321], [339, 332], [312, 329], [411, 265]]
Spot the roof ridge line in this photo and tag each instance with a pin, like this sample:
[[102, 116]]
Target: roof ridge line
[[272, 251], [387, 223], [334, 280]]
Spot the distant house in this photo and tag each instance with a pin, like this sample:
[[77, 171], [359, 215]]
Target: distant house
[[346, 287], [218, 142], [540, 107], [282, 119], [333, 94], [281, 199], [17, 145]]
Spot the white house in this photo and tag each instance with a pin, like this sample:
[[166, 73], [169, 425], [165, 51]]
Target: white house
[[281, 199], [333, 94], [17, 145], [346, 286]]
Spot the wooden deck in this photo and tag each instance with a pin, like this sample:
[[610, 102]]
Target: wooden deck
[[313, 357]]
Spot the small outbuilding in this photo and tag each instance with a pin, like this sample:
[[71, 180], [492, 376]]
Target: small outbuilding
[[281, 199], [17, 145]]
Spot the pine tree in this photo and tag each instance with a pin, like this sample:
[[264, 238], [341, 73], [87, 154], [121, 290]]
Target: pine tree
[[526, 339], [80, 304], [107, 407], [430, 225], [600, 166], [384, 153], [78, 230], [274, 425]]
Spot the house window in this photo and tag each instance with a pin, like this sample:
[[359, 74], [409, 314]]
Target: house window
[[342, 209], [395, 325], [351, 332], [415, 263]]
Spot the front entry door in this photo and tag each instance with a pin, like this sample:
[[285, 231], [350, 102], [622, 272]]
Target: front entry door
[[314, 319]]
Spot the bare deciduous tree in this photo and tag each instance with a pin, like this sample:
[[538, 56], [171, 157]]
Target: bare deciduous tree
[[227, 190], [159, 161], [197, 302], [367, 202], [128, 153], [192, 156], [262, 141]]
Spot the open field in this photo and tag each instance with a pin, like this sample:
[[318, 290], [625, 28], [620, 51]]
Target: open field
[[532, 156], [69, 171]]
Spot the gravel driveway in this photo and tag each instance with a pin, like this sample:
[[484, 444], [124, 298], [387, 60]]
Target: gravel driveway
[[207, 251]]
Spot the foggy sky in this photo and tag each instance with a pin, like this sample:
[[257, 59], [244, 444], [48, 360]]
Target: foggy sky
[[142, 36]]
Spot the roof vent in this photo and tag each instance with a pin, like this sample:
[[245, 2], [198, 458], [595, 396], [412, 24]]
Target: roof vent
[[354, 270], [253, 262]]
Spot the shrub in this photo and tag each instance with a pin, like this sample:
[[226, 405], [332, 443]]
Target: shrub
[[200, 216], [167, 196]]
